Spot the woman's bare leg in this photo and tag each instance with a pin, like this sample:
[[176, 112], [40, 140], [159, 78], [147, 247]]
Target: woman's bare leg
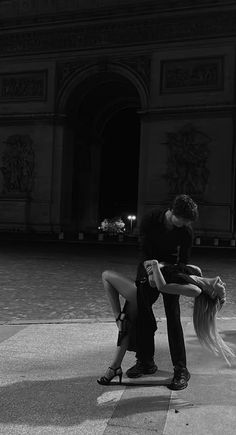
[[120, 353], [115, 285]]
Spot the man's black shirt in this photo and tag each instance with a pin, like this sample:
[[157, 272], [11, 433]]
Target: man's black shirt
[[163, 244], [170, 246]]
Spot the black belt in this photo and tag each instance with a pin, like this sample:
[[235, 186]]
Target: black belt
[[141, 280]]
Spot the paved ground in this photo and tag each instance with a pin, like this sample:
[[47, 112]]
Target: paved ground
[[57, 337], [51, 281], [48, 385]]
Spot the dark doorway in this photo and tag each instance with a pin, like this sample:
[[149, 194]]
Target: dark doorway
[[101, 147], [120, 165]]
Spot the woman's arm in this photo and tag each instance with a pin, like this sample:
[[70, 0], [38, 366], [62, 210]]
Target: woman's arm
[[189, 290]]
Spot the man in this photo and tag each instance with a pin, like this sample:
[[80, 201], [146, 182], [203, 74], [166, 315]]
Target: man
[[166, 236]]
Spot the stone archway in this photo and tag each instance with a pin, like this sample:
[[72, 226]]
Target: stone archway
[[100, 110]]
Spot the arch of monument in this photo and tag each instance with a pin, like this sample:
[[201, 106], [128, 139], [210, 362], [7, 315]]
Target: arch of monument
[[70, 70]]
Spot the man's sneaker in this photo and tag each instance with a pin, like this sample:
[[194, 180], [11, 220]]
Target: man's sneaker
[[140, 369], [180, 379]]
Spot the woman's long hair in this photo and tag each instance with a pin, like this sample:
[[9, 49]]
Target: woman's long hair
[[204, 321], [204, 309]]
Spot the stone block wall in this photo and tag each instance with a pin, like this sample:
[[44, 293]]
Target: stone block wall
[[27, 142], [188, 134]]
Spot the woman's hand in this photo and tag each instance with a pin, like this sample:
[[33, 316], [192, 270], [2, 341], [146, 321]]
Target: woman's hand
[[148, 264], [149, 269]]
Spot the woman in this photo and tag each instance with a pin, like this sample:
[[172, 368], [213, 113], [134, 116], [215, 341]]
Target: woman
[[209, 294]]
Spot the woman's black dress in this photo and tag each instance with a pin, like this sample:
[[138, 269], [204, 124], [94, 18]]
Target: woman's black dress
[[145, 324]]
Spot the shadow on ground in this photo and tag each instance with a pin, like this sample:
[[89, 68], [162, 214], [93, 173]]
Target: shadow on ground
[[67, 402]]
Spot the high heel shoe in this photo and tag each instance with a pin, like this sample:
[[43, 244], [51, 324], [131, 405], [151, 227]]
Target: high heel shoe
[[105, 380]]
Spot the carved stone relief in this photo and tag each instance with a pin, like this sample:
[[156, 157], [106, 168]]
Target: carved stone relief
[[66, 69], [23, 86], [140, 65], [18, 165], [96, 34], [189, 75], [187, 168]]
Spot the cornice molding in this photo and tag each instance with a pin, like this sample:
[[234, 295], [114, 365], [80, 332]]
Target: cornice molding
[[188, 110], [120, 33], [163, 112], [37, 12], [15, 118]]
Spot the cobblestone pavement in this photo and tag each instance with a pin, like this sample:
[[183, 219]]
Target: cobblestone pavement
[[57, 280]]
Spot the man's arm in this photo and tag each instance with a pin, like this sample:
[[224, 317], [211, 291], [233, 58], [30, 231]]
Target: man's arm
[[189, 289]]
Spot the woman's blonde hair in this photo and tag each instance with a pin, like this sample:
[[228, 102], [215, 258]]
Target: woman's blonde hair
[[204, 321], [204, 308]]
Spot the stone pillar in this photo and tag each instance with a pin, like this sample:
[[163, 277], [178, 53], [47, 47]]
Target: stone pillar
[[59, 178]]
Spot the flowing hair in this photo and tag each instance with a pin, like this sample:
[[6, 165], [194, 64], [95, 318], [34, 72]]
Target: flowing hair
[[204, 321], [204, 308]]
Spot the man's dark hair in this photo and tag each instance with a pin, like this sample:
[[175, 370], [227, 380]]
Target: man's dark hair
[[184, 207]]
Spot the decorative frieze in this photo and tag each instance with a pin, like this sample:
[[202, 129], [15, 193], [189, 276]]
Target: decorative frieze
[[190, 75], [24, 86], [94, 35], [30, 7]]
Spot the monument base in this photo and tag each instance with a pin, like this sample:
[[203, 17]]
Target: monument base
[[14, 213]]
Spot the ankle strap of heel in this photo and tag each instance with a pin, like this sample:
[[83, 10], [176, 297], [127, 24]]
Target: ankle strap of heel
[[121, 316]]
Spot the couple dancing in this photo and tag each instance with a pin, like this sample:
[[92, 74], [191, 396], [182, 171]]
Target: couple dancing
[[162, 271]]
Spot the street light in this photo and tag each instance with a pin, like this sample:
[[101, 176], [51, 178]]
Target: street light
[[131, 218]]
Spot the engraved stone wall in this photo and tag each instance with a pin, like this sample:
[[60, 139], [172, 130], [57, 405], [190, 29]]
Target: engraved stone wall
[[23, 86], [192, 75], [94, 35]]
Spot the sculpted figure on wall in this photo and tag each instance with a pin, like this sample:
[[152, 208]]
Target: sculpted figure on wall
[[18, 164], [187, 161]]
